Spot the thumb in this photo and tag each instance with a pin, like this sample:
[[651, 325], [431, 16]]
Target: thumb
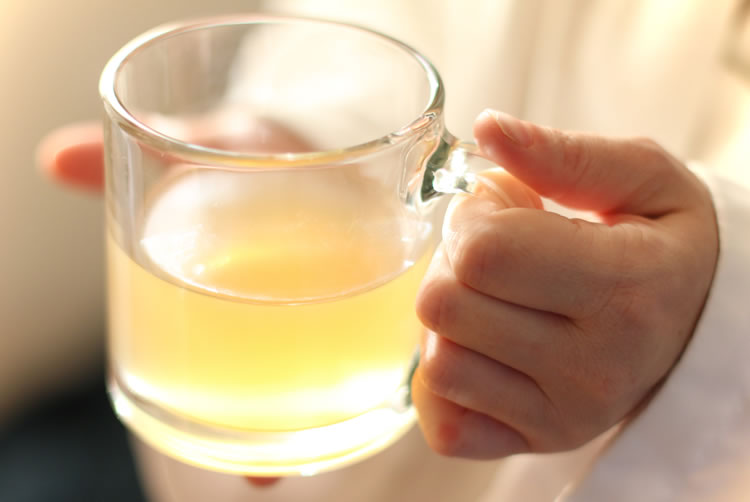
[[586, 171]]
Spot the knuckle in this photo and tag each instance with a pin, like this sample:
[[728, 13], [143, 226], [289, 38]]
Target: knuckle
[[648, 144], [445, 438], [473, 256], [664, 178], [576, 157], [660, 161], [440, 368], [653, 154], [436, 304]]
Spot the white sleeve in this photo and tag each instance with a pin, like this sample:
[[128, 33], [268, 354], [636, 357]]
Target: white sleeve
[[692, 443]]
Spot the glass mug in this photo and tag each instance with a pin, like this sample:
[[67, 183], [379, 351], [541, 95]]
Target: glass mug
[[271, 198]]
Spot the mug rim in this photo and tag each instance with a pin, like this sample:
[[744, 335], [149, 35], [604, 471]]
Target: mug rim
[[119, 113]]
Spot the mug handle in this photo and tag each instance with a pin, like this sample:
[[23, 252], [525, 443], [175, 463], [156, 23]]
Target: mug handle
[[454, 167]]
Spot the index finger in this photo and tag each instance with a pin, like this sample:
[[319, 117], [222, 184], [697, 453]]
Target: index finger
[[501, 245], [74, 155]]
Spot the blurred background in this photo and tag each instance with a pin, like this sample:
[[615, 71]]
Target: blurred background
[[678, 71]]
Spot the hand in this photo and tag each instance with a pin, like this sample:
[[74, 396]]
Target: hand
[[547, 331], [577, 323], [74, 155]]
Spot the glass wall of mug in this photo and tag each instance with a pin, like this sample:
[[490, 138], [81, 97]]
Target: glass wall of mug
[[266, 239]]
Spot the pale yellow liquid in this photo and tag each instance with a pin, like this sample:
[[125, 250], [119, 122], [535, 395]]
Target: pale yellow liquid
[[262, 312]]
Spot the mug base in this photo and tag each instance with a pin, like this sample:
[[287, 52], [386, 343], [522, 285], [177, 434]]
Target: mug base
[[264, 453]]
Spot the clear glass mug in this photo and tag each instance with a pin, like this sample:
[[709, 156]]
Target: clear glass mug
[[271, 208]]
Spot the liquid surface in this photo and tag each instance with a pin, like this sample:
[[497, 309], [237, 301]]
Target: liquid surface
[[266, 309]]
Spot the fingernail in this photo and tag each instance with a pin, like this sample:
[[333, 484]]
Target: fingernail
[[515, 130], [262, 482]]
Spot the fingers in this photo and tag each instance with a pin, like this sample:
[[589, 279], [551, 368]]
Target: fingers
[[474, 381], [529, 341], [74, 155], [453, 430], [530, 257], [586, 171], [550, 330]]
